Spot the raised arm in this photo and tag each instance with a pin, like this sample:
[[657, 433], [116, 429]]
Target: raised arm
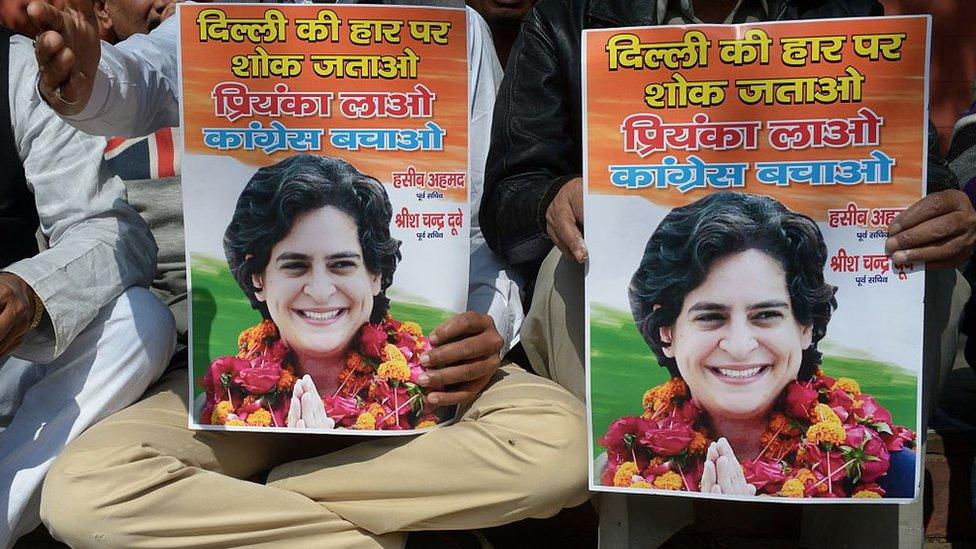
[[98, 245], [129, 89]]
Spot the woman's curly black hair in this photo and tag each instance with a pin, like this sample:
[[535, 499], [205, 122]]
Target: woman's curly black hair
[[691, 238], [276, 196]]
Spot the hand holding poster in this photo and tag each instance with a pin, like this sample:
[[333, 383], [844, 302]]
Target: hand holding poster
[[325, 168], [747, 335]]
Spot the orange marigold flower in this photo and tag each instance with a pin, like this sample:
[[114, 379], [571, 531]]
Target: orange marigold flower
[[395, 366], [866, 494], [625, 474], [828, 432], [655, 461], [380, 413], [365, 422], [412, 328], [648, 398], [848, 384], [235, 423], [259, 418], [640, 484], [678, 387], [220, 412], [822, 413], [426, 423], [253, 338], [805, 476], [287, 380], [356, 363], [699, 443], [766, 438], [779, 422], [792, 488], [668, 481]]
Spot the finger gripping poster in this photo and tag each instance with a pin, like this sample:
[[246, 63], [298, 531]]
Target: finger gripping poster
[[747, 335], [326, 210]]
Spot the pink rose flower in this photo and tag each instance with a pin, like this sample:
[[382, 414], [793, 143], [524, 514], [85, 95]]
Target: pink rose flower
[[259, 380], [385, 396], [621, 437], [687, 413], [767, 477], [876, 459], [406, 343], [823, 462], [221, 372], [341, 408], [871, 411], [652, 472], [667, 441], [898, 437], [273, 355], [800, 400], [372, 339]]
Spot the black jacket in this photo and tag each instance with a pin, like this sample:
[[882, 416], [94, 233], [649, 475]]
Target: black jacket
[[536, 144]]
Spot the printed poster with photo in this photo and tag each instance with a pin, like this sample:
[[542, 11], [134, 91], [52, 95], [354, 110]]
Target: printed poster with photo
[[747, 335], [326, 211]]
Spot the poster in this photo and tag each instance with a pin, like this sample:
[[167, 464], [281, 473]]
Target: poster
[[326, 211], [747, 336]]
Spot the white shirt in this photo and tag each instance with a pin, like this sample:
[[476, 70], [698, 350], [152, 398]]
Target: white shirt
[[136, 93], [97, 245]]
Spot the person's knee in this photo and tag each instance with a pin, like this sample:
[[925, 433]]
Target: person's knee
[[68, 497], [88, 487], [555, 475], [147, 325]]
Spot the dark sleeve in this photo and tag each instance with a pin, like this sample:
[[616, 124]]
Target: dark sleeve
[[534, 149], [938, 173]]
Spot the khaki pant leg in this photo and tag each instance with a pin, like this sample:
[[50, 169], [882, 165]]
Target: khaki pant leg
[[141, 478], [552, 333], [518, 451]]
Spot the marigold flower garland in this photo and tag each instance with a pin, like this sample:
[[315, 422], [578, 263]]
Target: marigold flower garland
[[829, 440], [377, 386]]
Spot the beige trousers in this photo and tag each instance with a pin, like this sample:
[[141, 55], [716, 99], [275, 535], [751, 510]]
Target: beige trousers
[[141, 478], [552, 335]]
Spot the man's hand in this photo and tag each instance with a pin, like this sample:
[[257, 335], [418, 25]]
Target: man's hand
[[939, 229], [16, 310], [564, 217], [67, 51], [464, 357]]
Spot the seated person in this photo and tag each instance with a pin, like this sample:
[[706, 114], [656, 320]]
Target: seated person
[[533, 203], [82, 337], [318, 500]]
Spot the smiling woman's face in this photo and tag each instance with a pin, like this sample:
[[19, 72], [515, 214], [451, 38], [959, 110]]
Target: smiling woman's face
[[736, 342], [316, 285]]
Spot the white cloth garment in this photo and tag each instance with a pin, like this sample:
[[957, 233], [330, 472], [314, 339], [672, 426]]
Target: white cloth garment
[[136, 93], [97, 349], [44, 406]]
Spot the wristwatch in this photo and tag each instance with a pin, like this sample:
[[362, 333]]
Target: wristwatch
[[38, 312]]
